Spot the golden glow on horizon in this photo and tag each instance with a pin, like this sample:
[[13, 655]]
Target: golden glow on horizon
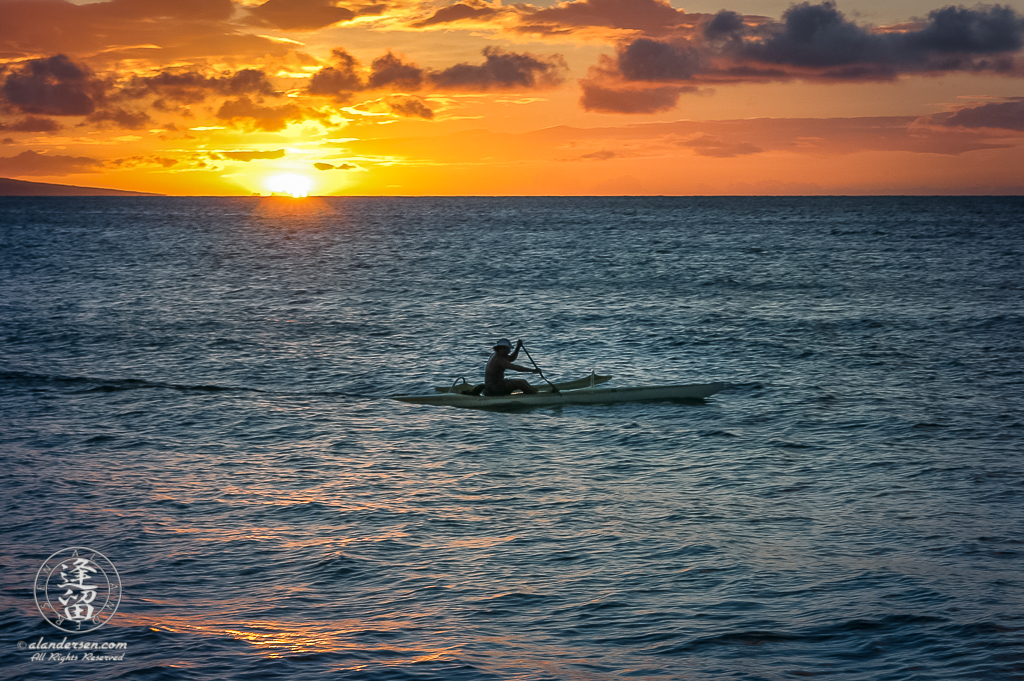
[[297, 186]]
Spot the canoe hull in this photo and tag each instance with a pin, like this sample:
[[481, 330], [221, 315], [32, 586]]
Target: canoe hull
[[695, 391]]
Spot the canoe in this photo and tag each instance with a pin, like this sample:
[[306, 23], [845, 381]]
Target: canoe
[[694, 391], [460, 385]]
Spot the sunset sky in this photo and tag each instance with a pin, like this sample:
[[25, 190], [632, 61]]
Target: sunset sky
[[408, 97]]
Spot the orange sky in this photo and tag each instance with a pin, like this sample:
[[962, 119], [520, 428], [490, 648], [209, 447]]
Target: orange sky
[[497, 98]]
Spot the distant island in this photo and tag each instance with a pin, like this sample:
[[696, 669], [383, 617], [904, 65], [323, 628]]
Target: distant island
[[23, 188]]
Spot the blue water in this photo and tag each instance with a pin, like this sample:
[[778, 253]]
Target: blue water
[[198, 389]]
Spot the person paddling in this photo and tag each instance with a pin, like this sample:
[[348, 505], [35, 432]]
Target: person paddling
[[495, 382]]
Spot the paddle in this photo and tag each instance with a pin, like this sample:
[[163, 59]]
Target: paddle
[[554, 388]]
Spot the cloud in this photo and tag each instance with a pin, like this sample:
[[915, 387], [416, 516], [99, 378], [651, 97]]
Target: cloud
[[144, 161], [247, 156], [410, 107], [54, 86], [651, 17], [338, 81], [1008, 115], [819, 38], [391, 70], [399, 105], [812, 42], [724, 24], [300, 15], [328, 166], [31, 124], [145, 31], [190, 87], [119, 118], [502, 70], [34, 163], [214, 10], [982, 30], [457, 12], [630, 100], [650, 60], [245, 112]]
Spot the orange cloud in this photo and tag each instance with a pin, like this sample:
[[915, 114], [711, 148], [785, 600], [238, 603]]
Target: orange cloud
[[34, 163], [458, 12], [155, 31], [249, 114], [31, 124], [650, 17], [300, 15]]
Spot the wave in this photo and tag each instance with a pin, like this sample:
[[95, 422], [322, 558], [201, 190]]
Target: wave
[[93, 384]]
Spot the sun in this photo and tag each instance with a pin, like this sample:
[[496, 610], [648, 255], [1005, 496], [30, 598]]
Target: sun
[[293, 185]]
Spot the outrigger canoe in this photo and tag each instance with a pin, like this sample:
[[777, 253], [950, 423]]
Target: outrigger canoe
[[460, 386], [583, 395]]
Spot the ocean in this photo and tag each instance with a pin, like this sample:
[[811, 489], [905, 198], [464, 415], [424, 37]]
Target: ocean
[[196, 390]]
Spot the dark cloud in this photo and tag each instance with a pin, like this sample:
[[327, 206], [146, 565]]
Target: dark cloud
[[597, 97], [650, 60], [31, 124], [982, 30], [1007, 115], [250, 114], [502, 70], [190, 87], [250, 155], [819, 37], [129, 120], [410, 107], [725, 24], [328, 166], [54, 86], [300, 15], [813, 42], [34, 163], [143, 161], [390, 70], [457, 12], [338, 81]]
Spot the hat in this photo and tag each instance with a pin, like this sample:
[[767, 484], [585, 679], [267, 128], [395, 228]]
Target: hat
[[503, 343]]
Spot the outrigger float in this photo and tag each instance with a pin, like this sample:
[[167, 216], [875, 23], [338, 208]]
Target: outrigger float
[[580, 391]]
